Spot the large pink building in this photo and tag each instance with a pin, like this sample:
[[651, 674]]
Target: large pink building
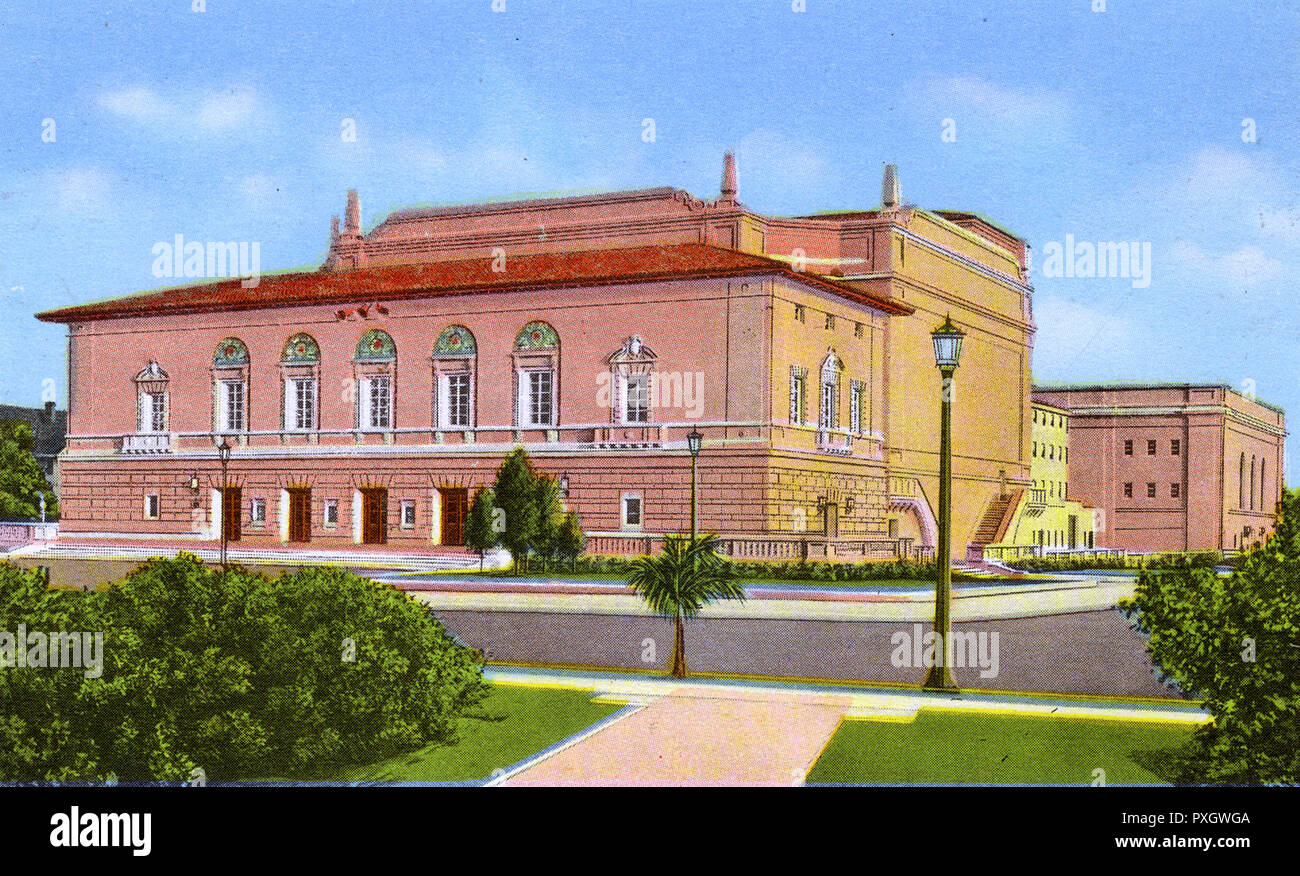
[[366, 401], [1173, 466]]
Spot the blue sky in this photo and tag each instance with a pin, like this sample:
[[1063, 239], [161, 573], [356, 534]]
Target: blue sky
[[1122, 125]]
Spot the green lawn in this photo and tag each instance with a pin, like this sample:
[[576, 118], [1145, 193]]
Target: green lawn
[[511, 724], [942, 747], [562, 575]]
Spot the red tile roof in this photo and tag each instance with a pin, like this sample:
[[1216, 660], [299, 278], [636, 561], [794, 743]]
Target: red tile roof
[[436, 279]]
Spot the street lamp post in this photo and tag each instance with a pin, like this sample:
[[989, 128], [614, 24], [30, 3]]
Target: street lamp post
[[693, 443], [947, 351], [223, 453], [42, 495]]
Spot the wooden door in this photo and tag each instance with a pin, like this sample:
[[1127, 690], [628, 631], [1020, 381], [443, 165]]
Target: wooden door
[[455, 505], [300, 514], [374, 516], [231, 502]]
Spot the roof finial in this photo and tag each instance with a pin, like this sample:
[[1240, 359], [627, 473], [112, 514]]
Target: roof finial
[[890, 194], [730, 188], [352, 217]]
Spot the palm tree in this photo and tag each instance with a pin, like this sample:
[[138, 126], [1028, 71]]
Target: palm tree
[[687, 576]]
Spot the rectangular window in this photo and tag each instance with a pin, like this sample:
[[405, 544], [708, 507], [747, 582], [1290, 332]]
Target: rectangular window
[[631, 512], [1175, 447], [458, 393], [828, 417], [1128, 448], [1151, 491], [302, 403], [857, 330], [541, 401], [799, 312], [1151, 447], [1175, 490], [157, 412], [408, 514], [257, 512], [1128, 491], [379, 403], [830, 321], [796, 398], [637, 402], [331, 512], [234, 405], [151, 507], [855, 407]]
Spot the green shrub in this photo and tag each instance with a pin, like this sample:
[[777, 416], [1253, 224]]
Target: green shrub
[[238, 675], [1234, 643]]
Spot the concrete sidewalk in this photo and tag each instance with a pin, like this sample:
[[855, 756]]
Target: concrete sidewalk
[[711, 732], [1091, 594]]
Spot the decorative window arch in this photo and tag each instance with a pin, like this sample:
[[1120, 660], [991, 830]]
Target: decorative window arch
[[153, 403], [230, 366], [375, 370], [455, 379], [536, 360], [632, 390], [300, 384]]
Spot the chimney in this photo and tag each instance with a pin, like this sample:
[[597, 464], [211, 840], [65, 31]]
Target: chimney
[[352, 217], [890, 195], [49, 411], [730, 189]]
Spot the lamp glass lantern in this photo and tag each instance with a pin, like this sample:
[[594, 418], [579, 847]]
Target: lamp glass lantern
[[947, 344], [223, 450], [694, 441]]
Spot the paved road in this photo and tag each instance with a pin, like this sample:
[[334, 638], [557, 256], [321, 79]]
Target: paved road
[[1092, 652]]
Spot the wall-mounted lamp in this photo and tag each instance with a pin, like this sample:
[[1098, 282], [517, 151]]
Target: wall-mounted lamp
[[194, 482], [564, 485], [848, 505]]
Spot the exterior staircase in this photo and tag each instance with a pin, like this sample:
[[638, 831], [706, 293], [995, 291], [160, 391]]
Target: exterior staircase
[[993, 525]]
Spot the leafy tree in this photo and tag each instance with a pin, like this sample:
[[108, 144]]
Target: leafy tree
[[550, 516], [1234, 644], [239, 675], [516, 496], [570, 540], [681, 580], [480, 524], [21, 478]]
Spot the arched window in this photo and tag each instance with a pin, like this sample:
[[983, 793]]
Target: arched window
[[536, 364], [300, 381], [1252, 483], [631, 382], [375, 366], [153, 409], [455, 360], [1241, 482], [230, 386], [1262, 503]]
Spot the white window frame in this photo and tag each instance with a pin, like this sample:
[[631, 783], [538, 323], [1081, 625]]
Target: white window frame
[[526, 402], [407, 507], [226, 388], [798, 391], [855, 406], [371, 419], [156, 501], [292, 407], [624, 523], [446, 410], [257, 511], [330, 513], [641, 380]]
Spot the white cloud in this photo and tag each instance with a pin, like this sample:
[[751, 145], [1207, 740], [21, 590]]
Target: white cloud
[[185, 113], [1244, 267], [1069, 332], [140, 104], [227, 110], [79, 190]]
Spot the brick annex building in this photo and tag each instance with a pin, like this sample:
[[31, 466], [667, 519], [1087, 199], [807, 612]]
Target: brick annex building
[[367, 401]]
